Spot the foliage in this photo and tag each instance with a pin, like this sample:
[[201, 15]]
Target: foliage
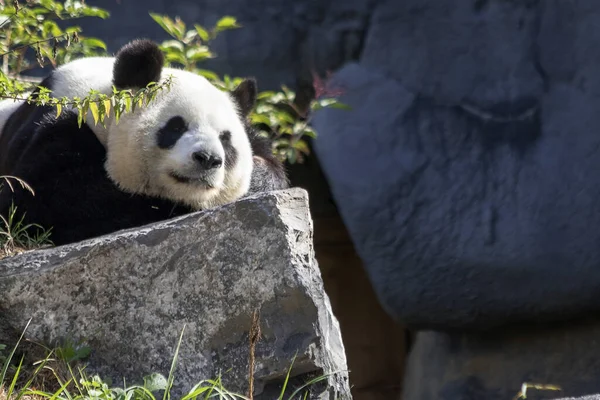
[[33, 26], [525, 386], [14, 234], [276, 114]]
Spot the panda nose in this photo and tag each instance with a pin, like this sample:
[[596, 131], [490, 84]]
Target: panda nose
[[207, 160]]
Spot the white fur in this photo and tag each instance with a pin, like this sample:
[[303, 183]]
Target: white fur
[[137, 165], [7, 107], [78, 77], [74, 79]]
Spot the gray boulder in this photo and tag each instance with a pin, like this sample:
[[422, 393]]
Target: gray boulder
[[130, 294], [462, 221], [466, 173]]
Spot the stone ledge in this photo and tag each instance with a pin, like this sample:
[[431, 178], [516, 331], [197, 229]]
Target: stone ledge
[[131, 293]]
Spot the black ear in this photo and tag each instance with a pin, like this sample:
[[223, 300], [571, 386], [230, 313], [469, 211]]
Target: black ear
[[137, 64], [245, 96]]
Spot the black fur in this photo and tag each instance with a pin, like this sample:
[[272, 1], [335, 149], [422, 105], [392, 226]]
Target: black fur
[[269, 172], [137, 64], [245, 96], [64, 164], [16, 136], [169, 134], [231, 154]]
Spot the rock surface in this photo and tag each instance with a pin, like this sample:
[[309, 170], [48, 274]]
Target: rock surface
[[592, 397], [493, 366], [468, 216], [466, 174], [131, 293]]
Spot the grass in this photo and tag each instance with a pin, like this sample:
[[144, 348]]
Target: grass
[[72, 383], [16, 236], [537, 386]]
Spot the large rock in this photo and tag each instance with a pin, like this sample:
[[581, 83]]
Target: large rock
[[466, 173], [130, 294], [480, 52], [463, 221]]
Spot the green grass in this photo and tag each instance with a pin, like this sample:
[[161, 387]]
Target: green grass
[[79, 386], [15, 235]]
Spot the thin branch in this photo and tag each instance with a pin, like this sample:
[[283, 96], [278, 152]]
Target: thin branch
[[254, 336], [9, 19], [36, 43]]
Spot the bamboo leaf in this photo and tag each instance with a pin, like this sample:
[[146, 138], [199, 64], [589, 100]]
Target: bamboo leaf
[[94, 110]]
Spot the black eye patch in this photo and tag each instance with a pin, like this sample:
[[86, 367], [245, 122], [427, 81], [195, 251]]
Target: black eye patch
[[230, 151], [169, 134]]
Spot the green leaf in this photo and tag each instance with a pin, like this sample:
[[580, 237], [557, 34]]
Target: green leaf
[[198, 53], [128, 103], [94, 110], [107, 107], [208, 74], [284, 116], [172, 45], [225, 23], [93, 42], [328, 102], [79, 118], [203, 33], [155, 382], [264, 95], [310, 132], [260, 119], [175, 57], [340, 106], [165, 22], [301, 146]]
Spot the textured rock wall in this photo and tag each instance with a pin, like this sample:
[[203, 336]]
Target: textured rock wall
[[466, 170], [466, 174]]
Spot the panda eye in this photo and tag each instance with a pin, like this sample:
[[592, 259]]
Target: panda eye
[[176, 125], [171, 132], [225, 136]]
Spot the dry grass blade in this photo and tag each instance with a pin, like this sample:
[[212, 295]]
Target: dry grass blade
[[254, 338], [23, 184]]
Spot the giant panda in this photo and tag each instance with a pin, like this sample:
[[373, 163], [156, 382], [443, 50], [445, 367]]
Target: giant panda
[[192, 148]]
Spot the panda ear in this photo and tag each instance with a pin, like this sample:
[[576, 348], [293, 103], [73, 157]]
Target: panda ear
[[137, 64], [245, 96]]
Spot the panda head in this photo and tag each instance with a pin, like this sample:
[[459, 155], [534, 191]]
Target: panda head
[[189, 144]]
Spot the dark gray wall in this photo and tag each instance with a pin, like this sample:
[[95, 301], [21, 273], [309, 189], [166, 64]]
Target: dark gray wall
[[280, 42]]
